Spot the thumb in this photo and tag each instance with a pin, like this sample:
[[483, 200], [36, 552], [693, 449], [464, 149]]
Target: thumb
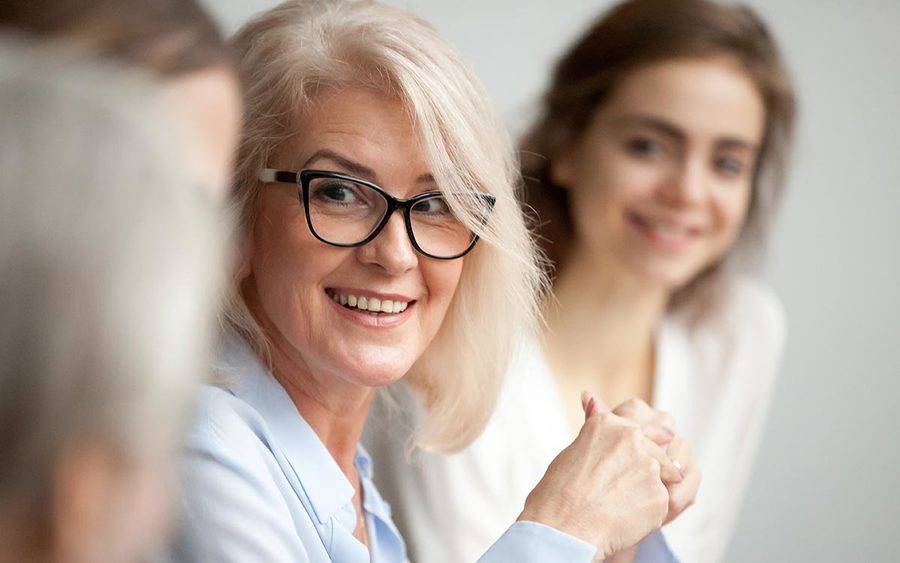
[[592, 405]]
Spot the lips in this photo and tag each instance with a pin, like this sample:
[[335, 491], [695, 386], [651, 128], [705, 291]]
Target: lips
[[665, 233]]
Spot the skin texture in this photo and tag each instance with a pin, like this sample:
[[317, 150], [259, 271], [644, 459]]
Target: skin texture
[[208, 103], [660, 183], [330, 364]]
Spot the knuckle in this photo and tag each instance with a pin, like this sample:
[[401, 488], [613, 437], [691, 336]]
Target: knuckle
[[666, 419], [633, 434]]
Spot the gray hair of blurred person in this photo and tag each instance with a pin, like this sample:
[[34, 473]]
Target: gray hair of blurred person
[[109, 266]]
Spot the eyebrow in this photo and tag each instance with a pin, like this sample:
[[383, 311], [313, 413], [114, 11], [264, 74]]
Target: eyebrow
[[355, 168], [676, 133]]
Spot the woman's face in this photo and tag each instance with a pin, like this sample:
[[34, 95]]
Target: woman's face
[[292, 277], [661, 179], [209, 104]]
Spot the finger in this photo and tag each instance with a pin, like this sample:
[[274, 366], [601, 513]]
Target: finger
[[665, 419], [667, 470], [637, 410], [660, 435], [592, 405], [682, 495], [679, 450]]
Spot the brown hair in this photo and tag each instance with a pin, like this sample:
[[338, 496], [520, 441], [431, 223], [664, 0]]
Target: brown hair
[[631, 35], [167, 37]]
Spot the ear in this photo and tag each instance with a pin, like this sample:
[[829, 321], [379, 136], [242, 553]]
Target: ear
[[243, 267]]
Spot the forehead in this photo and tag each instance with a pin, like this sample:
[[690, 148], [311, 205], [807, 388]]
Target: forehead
[[368, 126], [704, 97]]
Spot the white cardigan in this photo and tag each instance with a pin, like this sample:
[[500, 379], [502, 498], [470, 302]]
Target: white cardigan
[[716, 379]]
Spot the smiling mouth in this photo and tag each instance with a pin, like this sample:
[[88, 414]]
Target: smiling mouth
[[368, 305], [671, 235]]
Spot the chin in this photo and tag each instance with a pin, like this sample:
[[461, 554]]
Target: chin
[[671, 274], [377, 366]]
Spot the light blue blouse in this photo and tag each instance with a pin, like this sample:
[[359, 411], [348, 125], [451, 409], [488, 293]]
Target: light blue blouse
[[261, 487]]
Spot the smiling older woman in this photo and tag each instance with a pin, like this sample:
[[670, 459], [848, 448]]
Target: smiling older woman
[[370, 168]]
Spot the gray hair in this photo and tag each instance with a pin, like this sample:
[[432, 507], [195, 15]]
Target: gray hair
[[109, 268]]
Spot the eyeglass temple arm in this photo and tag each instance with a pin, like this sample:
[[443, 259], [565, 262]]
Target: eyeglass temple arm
[[270, 175]]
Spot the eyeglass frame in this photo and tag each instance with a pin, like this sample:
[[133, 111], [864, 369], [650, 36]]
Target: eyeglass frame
[[303, 178]]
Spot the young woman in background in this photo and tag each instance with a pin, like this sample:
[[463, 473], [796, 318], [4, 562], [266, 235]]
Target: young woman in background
[[654, 170]]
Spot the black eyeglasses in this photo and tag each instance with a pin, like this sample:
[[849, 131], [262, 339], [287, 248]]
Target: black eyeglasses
[[345, 211]]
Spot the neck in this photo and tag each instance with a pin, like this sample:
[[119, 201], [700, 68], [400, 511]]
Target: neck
[[335, 409], [602, 321]]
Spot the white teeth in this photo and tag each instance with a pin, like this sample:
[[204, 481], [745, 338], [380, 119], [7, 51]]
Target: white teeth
[[370, 304]]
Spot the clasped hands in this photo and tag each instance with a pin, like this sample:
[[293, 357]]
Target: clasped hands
[[625, 475]]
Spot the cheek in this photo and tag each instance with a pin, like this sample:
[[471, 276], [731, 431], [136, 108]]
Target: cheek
[[731, 213], [441, 279], [288, 267], [609, 184]]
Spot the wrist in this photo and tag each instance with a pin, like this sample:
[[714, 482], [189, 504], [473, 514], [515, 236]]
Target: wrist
[[596, 535]]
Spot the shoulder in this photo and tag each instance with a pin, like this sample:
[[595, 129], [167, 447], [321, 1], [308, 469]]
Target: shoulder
[[746, 314], [753, 305], [742, 338], [227, 432]]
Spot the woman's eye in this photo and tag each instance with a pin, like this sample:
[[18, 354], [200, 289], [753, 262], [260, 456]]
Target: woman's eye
[[642, 146], [729, 166], [337, 193], [433, 206]]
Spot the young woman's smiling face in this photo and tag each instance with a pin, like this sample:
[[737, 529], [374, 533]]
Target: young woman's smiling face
[[660, 181], [293, 278]]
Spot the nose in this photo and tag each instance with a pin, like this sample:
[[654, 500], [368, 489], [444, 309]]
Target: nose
[[687, 184], [391, 250]]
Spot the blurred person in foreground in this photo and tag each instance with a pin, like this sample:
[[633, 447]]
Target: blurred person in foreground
[[110, 266], [654, 171], [174, 41], [381, 240]]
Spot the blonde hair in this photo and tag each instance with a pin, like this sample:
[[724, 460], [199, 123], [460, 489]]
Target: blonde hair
[[289, 52], [110, 262]]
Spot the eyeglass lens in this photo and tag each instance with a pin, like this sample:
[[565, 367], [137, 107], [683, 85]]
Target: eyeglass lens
[[346, 212]]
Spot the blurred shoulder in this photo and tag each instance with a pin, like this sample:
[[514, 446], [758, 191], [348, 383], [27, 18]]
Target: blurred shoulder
[[753, 310], [740, 334]]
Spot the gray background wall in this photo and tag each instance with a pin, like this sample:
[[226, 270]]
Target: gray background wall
[[825, 488]]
